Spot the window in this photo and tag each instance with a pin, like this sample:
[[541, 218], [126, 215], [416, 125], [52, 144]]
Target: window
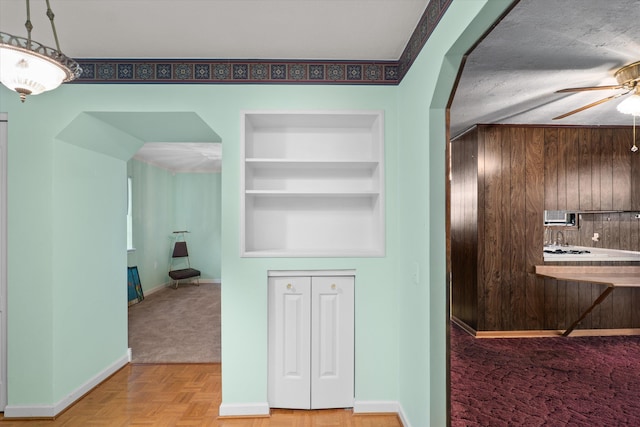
[[129, 215]]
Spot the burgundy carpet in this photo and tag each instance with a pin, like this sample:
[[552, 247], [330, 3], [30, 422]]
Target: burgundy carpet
[[574, 381]]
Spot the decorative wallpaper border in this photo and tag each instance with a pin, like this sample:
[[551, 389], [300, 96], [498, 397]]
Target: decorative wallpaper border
[[430, 18], [239, 71], [218, 71]]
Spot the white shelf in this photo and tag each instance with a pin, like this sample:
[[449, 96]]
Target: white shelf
[[278, 193], [313, 184], [263, 162], [312, 176], [317, 253]]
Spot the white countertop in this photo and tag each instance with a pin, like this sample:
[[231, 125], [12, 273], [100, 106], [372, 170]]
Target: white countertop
[[595, 254]]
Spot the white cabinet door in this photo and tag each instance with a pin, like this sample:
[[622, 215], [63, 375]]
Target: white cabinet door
[[311, 342], [332, 342], [289, 342]]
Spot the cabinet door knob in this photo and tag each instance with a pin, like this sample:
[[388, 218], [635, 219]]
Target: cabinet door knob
[[289, 286], [333, 286]]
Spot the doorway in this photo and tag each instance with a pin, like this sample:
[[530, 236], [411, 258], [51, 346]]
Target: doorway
[[176, 186]]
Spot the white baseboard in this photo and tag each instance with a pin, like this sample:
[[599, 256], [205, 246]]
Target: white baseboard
[[31, 411], [155, 289], [381, 407], [403, 417], [50, 411], [375, 406], [244, 409], [359, 407]]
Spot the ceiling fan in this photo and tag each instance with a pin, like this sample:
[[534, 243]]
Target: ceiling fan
[[628, 78]]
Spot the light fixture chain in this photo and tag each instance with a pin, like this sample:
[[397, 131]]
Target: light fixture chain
[[634, 147], [29, 67], [50, 15], [28, 25]]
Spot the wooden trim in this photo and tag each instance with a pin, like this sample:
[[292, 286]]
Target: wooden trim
[[614, 277], [557, 333], [586, 269], [545, 333], [519, 334], [547, 126], [463, 325]]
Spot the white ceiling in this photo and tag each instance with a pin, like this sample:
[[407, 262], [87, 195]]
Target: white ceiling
[[543, 46], [222, 29]]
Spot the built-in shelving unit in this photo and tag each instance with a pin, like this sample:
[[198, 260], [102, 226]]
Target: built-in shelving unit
[[312, 183]]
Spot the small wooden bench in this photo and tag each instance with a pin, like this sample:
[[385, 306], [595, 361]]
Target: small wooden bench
[[624, 276]]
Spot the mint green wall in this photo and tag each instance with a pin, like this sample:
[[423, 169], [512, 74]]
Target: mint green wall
[[164, 202], [424, 93], [198, 209], [153, 216], [88, 289], [32, 190], [29, 258], [400, 344], [66, 322]]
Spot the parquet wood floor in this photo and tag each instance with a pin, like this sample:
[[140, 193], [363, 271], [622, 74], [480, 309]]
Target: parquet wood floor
[[185, 395]]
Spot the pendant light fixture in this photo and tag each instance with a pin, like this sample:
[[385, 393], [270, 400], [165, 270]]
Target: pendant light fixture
[[30, 68]]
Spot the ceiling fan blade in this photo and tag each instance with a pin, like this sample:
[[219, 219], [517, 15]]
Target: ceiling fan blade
[[593, 104], [584, 89]]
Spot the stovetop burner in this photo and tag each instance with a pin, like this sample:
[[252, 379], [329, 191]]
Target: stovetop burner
[[569, 251]]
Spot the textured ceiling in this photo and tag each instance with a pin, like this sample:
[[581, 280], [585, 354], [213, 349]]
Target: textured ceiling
[[184, 157], [543, 46]]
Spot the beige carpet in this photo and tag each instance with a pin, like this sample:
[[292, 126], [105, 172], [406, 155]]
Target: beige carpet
[[177, 325]]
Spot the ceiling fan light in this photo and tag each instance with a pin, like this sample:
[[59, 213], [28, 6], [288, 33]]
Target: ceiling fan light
[[630, 105]]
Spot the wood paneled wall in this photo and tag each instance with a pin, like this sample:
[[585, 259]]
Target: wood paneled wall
[[464, 227], [503, 178]]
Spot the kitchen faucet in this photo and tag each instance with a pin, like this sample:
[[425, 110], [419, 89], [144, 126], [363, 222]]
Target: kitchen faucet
[[560, 234], [548, 236]]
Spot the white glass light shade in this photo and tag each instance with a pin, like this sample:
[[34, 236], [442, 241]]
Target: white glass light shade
[[24, 71], [630, 105], [30, 68]]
